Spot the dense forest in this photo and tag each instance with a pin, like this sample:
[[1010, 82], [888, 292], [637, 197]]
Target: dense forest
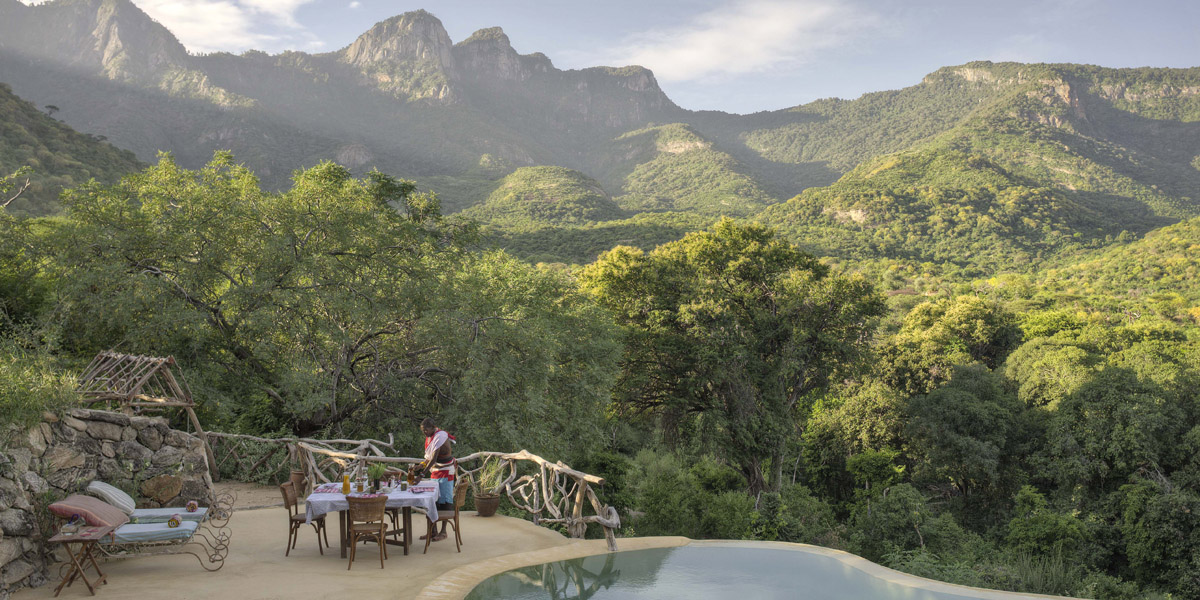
[[1035, 432]]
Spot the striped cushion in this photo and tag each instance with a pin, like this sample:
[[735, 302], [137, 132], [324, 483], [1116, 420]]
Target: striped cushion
[[135, 533], [95, 512], [112, 495], [160, 515]]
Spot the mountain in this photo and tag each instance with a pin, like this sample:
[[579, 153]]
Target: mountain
[[401, 97], [977, 168], [59, 156], [533, 197], [1161, 269]]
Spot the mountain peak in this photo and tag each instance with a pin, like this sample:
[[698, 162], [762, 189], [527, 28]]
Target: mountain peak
[[114, 35], [489, 34], [409, 55], [412, 36]]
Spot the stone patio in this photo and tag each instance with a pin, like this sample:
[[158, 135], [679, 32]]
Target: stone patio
[[257, 569]]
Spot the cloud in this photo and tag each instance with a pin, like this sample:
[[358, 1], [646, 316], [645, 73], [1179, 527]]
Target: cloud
[[355, 4], [746, 36]]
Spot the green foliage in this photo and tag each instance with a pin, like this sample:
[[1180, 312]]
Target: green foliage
[[960, 433], [342, 303], [675, 168], [730, 330], [1037, 530], [31, 382], [938, 335], [537, 196], [57, 156]]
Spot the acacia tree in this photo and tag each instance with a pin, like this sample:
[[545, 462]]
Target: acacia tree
[[728, 331], [341, 303]]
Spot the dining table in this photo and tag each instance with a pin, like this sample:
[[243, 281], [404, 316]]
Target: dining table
[[329, 498]]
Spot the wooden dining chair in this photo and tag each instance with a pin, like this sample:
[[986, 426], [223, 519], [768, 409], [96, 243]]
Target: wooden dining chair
[[297, 518], [367, 520], [460, 496]]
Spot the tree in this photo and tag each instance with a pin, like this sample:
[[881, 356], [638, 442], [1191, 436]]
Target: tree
[[729, 331], [959, 432], [938, 335], [342, 303]]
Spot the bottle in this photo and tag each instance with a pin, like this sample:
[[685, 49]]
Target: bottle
[[345, 484]]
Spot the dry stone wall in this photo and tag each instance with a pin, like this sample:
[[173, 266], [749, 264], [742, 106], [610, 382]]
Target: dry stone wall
[[155, 464]]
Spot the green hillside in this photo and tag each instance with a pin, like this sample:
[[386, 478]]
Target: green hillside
[[58, 156], [671, 167], [534, 197], [1160, 270]]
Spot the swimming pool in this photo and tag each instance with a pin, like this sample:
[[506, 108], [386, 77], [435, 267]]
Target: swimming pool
[[717, 571]]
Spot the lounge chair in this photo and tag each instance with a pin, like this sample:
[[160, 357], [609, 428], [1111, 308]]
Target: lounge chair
[[118, 498], [207, 541]]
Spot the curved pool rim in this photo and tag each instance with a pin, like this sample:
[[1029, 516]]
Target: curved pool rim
[[459, 582]]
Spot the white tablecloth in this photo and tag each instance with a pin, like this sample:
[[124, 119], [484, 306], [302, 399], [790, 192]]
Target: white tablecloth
[[318, 504]]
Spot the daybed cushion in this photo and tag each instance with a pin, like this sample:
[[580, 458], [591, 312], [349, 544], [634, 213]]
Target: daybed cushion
[[112, 495], [160, 515], [94, 511], [140, 533]]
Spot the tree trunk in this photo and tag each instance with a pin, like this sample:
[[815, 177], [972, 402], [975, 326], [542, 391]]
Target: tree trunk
[[776, 482], [752, 471]]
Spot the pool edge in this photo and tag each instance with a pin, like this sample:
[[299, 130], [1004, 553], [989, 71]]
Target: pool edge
[[457, 583]]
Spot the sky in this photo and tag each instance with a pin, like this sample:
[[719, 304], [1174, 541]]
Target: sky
[[735, 55]]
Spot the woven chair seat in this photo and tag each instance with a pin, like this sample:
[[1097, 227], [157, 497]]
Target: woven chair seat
[[296, 519]]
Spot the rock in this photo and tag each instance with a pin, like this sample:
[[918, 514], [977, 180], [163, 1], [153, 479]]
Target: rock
[[67, 480], [168, 456], [104, 431], [37, 579], [9, 492], [64, 434], [198, 490], [49, 417], [108, 450], [17, 571], [177, 438], [16, 522], [10, 548], [110, 471], [162, 488], [74, 423], [63, 457], [37, 441], [20, 458], [34, 482], [101, 415], [47, 433], [128, 434], [151, 438], [178, 502], [135, 452]]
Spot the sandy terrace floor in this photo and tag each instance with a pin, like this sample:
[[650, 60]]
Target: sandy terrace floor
[[256, 567]]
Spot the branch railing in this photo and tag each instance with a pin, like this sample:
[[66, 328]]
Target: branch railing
[[551, 492]]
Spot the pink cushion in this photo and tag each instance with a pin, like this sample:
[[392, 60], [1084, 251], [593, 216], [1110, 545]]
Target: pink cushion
[[96, 512]]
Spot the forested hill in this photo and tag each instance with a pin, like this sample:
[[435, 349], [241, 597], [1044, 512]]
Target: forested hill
[[56, 156], [976, 169]]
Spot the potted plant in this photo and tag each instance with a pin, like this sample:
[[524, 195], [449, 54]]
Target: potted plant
[[486, 487], [375, 472]]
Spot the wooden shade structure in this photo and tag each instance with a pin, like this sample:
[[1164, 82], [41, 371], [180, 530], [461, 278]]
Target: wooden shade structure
[[139, 383]]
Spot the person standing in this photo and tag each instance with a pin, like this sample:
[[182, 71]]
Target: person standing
[[443, 468]]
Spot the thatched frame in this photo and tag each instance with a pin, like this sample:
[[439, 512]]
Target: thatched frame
[[140, 383]]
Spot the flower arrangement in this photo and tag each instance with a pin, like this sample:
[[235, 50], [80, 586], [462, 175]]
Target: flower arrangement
[[192, 506]]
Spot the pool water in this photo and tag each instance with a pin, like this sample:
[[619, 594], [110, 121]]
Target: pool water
[[698, 573]]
